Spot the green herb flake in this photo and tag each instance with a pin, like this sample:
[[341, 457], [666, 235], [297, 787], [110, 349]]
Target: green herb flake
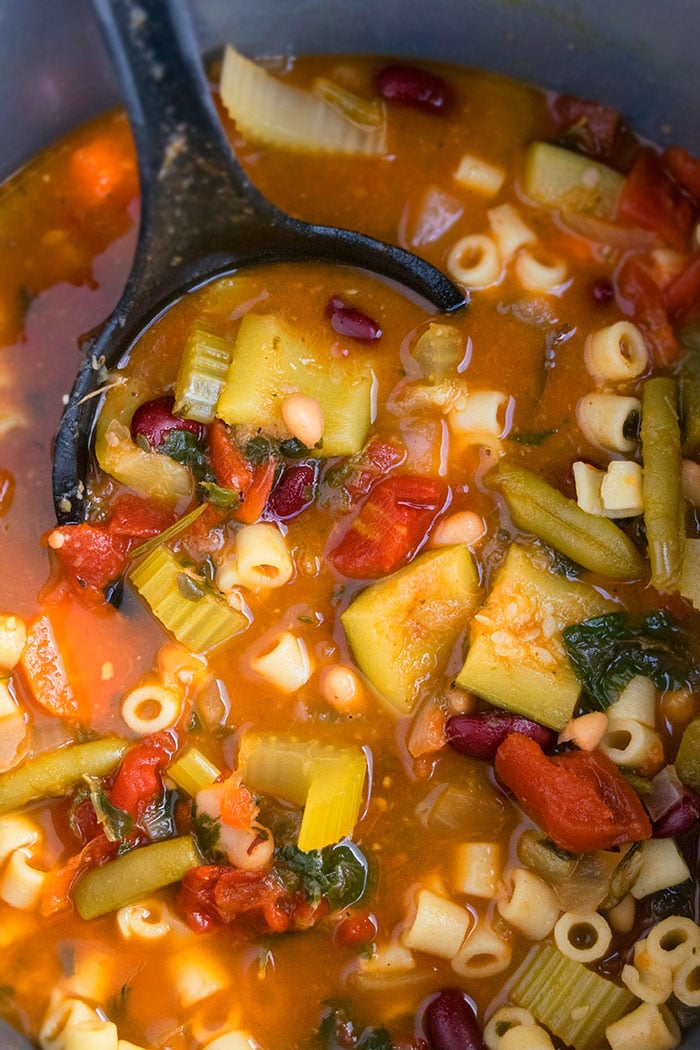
[[190, 587]]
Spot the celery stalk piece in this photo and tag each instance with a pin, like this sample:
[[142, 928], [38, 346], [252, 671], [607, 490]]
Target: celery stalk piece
[[664, 508], [53, 773], [560, 178], [326, 780], [196, 617], [202, 374], [268, 110], [135, 875], [516, 656], [574, 1003], [402, 629], [151, 474], [192, 771], [268, 357], [596, 543]]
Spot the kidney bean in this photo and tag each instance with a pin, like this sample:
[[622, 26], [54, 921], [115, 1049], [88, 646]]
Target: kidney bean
[[450, 1023], [346, 320], [602, 291], [294, 491], [480, 735], [154, 420], [411, 86], [680, 818]]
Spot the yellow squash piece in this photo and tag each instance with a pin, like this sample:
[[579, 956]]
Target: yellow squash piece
[[402, 629], [326, 780], [270, 361], [572, 182], [516, 657]]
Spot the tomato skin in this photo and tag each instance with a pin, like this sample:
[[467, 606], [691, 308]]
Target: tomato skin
[[579, 798], [230, 466], [139, 781], [594, 127], [640, 297], [135, 517], [652, 199], [215, 894], [390, 525], [682, 294]]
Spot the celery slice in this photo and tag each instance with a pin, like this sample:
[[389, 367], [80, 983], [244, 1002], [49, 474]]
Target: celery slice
[[325, 779], [196, 617], [268, 358], [202, 374], [575, 1003], [268, 110], [192, 771], [562, 179]]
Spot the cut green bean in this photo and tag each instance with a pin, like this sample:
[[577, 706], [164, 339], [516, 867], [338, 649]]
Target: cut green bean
[[595, 543], [193, 771], [55, 772], [661, 482], [135, 875]]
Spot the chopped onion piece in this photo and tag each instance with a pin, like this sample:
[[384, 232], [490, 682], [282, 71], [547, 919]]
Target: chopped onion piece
[[267, 110], [365, 112], [666, 792]]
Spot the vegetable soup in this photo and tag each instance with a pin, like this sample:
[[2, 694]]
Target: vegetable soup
[[361, 711]]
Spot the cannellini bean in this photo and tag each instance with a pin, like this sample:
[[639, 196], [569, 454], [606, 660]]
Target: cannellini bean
[[303, 417], [464, 526], [340, 687], [13, 635], [586, 731]]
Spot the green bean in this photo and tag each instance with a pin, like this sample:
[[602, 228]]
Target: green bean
[[595, 543], [54, 772], [135, 875], [661, 482]]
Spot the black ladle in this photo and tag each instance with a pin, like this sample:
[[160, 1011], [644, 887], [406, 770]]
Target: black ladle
[[200, 215]]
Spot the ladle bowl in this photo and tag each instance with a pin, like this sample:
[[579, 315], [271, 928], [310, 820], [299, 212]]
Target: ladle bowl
[[200, 215]]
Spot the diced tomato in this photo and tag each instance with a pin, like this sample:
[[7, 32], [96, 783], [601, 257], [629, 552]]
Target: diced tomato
[[256, 495], [595, 128], [139, 779], [102, 170], [354, 929], [378, 459], [91, 556], [135, 517], [230, 466], [580, 799], [214, 894], [652, 199], [390, 525], [45, 671], [685, 169], [238, 808], [682, 294], [639, 296]]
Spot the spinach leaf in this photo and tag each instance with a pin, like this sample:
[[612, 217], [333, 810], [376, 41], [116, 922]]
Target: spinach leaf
[[221, 498], [338, 1032], [185, 448], [608, 651], [336, 873]]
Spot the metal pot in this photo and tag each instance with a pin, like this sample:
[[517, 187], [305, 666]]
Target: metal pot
[[637, 55]]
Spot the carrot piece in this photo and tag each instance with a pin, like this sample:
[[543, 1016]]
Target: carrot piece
[[230, 466], [256, 496], [238, 808], [45, 671], [102, 169]]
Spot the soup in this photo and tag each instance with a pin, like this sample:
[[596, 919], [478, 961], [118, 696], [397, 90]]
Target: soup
[[387, 723]]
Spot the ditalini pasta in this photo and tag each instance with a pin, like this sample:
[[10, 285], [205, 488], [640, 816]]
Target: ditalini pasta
[[357, 697]]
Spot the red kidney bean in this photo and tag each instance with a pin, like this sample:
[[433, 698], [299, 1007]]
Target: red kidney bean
[[680, 818], [293, 492], [450, 1023], [411, 86], [154, 420], [346, 320], [480, 735], [602, 291]]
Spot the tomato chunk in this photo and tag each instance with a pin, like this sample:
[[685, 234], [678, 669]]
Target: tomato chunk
[[653, 200], [685, 169], [230, 466], [640, 296], [216, 894], [390, 525], [139, 779], [257, 493], [580, 799]]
